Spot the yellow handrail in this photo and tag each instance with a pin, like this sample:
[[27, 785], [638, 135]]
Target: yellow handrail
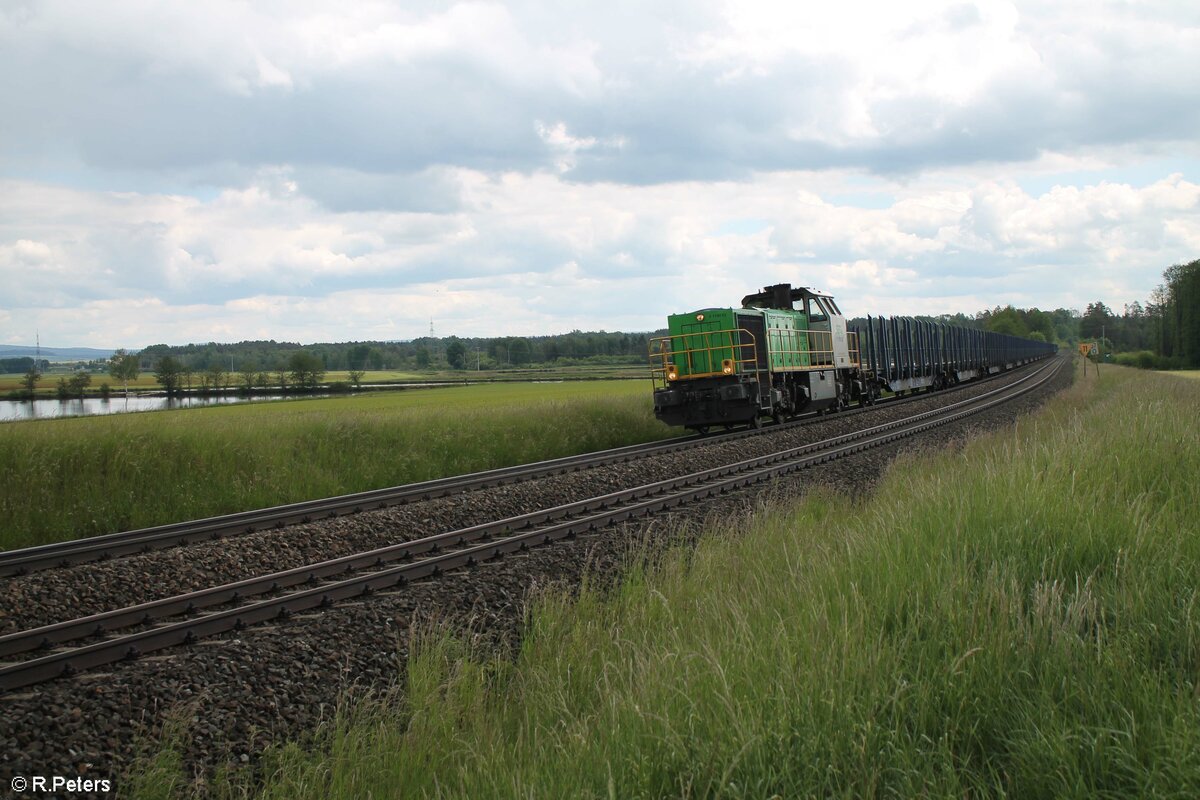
[[669, 364], [819, 353]]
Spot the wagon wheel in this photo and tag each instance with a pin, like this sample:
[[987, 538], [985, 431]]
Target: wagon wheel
[[755, 422]]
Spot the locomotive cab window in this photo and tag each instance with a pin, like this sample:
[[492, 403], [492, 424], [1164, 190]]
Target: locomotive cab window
[[815, 311]]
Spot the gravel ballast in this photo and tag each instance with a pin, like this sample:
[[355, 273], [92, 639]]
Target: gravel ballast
[[43, 598], [237, 693]]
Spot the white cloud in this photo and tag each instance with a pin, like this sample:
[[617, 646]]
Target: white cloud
[[227, 169], [557, 255]]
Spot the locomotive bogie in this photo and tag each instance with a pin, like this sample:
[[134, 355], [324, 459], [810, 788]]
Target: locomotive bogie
[[715, 400]]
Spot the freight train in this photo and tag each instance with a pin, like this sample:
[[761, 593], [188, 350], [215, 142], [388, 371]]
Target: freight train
[[788, 351]]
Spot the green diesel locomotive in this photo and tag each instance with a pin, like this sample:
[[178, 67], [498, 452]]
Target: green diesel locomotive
[[788, 350], [784, 351]]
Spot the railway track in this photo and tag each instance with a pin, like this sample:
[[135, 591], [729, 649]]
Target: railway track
[[126, 543], [72, 646]]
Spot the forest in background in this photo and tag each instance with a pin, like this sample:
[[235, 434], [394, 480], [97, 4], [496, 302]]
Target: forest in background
[[1163, 332]]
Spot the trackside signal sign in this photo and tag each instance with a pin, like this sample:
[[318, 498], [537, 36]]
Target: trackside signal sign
[[1086, 348]]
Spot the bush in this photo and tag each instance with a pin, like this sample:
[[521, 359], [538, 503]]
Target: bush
[[1145, 359]]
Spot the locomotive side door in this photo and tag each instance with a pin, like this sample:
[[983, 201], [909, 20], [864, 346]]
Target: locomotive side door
[[837, 329]]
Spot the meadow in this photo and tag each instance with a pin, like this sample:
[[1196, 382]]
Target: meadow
[[68, 478], [145, 382], [1017, 618]]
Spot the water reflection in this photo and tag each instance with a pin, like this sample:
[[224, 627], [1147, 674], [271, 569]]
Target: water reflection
[[76, 407]]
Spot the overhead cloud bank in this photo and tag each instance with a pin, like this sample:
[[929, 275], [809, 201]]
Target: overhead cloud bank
[[299, 171]]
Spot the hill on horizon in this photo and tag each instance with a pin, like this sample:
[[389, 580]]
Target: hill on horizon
[[54, 353]]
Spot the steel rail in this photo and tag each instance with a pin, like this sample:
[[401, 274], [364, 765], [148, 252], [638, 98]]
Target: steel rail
[[662, 495], [113, 545], [41, 637]]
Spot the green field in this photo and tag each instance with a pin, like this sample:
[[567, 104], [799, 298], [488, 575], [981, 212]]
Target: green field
[[10, 382], [67, 478], [145, 381], [1020, 618], [1192, 373]]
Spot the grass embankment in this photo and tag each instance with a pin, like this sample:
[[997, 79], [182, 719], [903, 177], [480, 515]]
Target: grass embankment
[[1020, 618], [65, 478]]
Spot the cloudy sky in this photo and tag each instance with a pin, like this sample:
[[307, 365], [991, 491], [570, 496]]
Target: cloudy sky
[[292, 170]]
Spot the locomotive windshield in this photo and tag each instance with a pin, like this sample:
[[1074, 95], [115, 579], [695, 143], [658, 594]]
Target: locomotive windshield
[[817, 313]]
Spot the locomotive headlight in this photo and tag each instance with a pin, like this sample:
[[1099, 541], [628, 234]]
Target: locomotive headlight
[[699, 318], [727, 366], [672, 373]]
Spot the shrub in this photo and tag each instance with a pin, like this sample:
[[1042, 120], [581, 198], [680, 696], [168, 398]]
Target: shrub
[[1145, 359]]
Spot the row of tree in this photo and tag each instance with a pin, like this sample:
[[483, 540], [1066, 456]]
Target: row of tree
[[1166, 326], [12, 366], [123, 366], [302, 370], [1179, 301], [452, 352], [1060, 325]]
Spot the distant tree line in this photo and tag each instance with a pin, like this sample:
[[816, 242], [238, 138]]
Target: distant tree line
[[1164, 332], [1060, 325], [1167, 327], [222, 364], [1178, 305], [22, 364]]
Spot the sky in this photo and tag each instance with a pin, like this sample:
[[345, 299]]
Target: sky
[[311, 171]]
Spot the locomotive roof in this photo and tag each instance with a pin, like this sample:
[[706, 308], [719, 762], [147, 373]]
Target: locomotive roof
[[781, 295]]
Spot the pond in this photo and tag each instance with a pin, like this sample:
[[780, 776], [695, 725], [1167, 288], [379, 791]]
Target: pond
[[11, 410]]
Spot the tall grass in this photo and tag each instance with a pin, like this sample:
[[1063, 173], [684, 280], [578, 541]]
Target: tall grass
[[62, 479], [1018, 618]]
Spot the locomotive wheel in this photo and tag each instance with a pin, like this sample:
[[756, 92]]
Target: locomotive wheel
[[755, 422]]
